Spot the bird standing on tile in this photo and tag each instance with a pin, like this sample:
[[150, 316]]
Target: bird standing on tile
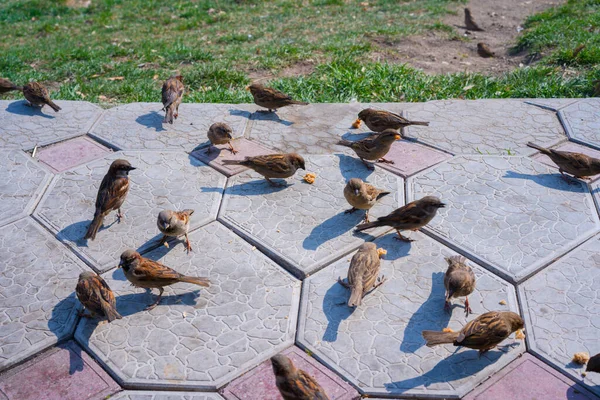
[[111, 195], [484, 50], [363, 273], [380, 120], [148, 274], [38, 96], [96, 296], [593, 364], [7, 86], [412, 216], [470, 23], [374, 147], [362, 196], [172, 94], [459, 281], [577, 164], [220, 133], [270, 98], [293, 383], [272, 166], [175, 224]]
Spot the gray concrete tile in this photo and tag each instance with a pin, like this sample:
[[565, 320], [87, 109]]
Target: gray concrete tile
[[160, 395], [582, 121]]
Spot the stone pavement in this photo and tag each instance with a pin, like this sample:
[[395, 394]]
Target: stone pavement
[[273, 254]]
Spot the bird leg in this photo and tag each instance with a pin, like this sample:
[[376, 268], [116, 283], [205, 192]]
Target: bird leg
[[402, 237], [350, 211], [566, 177], [366, 216], [275, 184], [188, 245], [233, 151], [368, 165], [151, 306], [467, 307], [383, 160], [164, 242], [209, 150], [120, 215], [344, 284], [83, 314], [380, 281]]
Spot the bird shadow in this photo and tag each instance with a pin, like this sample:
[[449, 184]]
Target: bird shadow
[[76, 231], [336, 310], [256, 187], [332, 228], [261, 115], [76, 362], [352, 167], [21, 108], [396, 249], [240, 113], [356, 136], [153, 119], [551, 181]]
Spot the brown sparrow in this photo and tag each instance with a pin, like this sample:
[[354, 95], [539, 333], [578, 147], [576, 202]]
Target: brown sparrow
[[412, 216], [363, 273], [38, 96], [272, 166], [380, 120], [484, 51], [95, 295], [470, 23], [459, 281], [593, 365], [7, 86], [172, 93], [373, 147], [145, 273], [175, 224], [362, 196], [577, 164], [270, 98], [220, 133], [111, 195], [293, 383]]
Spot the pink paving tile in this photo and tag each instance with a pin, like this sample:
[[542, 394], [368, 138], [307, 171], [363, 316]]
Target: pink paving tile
[[62, 373], [70, 153], [219, 153], [529, 379], [260, 382], [410, 157], [569, 146]]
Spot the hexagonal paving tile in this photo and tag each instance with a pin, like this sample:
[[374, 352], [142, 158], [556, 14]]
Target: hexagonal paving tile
[[379, 346], [23, 183], [157, 395], [410, 157], [65, 155], [551, 104], [37, 279], [138, 126], [561, 311], [245, 148], [569, 146], [582, 121], [162, 180], [484, 126], [304, 226], [25, 127], [513, 214], [198, 338]]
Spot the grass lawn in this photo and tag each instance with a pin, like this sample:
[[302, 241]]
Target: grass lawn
[[122, 50]]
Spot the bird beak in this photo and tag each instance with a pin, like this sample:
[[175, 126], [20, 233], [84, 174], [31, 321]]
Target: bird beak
[[131, 168], [248, 87], [356, 192], [442, 205]]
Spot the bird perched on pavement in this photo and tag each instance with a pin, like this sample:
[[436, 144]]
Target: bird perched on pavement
[[38, 96], [380, 120], [362, 196], [459, 281], [175, 224], [220, 133], [96, 296], [374, 147], [293, 383], [271, 99], [172, 94], [363, 273], [272, 166], [579, 165], [7, 86]]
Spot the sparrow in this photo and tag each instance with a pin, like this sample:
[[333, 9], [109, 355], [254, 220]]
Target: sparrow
[[374, 147], [145, 273], [412, 216], [272, 165], [220, 133], [175, 224], [293, 383], [270, 98], [362, 196], [38, 96], [95, 295], [593, 364], [172, 93], [7, 86], [459, 281], [470, 23], [577, 164], [483, 333], [484, 51], [380, 120], [111, 195], [363, 274]]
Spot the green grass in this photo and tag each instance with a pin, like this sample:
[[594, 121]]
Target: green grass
[[219, 44]]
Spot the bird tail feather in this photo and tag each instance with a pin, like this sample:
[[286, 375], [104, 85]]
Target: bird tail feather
[[355, 297], [423, 123], [94, 226], [196, 281], [382, 195], [54, 106], [368, 225], [433, 338], [233, 162], [538, 147], [300, 103], [169, 114], [343, 142], [110, 312]]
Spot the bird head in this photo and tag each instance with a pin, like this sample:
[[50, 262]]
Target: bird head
[[254, 86], [121, 166], [431, 201], [164, 219], [128, 257], [297, 160], [282, 365], [389, 136], [364, 113], [355, 184], [87, 275]]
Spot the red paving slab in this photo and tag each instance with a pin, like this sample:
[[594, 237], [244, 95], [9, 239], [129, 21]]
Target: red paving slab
[[221, 152], [62, 373], [569, 146], [410, 157], [62, 156], [259, 383]]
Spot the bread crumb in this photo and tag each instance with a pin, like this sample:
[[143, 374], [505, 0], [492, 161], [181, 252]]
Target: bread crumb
[[520, 335], [310, 178], [166, 244], [184, 314], [581, 358], [503, 302], [381, 252], [584, 374], [356, 124], [447, 330]]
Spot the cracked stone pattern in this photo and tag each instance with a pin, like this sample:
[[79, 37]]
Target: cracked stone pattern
[[199, 338], [245, 148], [37, 278], [304, 226], [379, 346], [23, 182], [582, 121], [138, 126], [551, 104], [569, 146], [512, 213], [152, 395], [162, 180], [484, 126], [25, 127], [561, 311], [70, 153]]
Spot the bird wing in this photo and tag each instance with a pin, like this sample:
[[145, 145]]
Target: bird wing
[[489, 328], [270, 94], [89, 296], [276, 163], [151, 271], [105, 292], [111, 193], [386, 117], [310, 387], [409, 214], [373, 192], [364, 268], [576, 160], [172, 90], [183, 216]]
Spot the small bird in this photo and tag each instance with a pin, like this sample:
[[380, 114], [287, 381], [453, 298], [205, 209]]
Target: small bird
[[220, 133], [175, 224], [483, 333], [470, 23], [145, 273], [412, 216], [293, 383], [374, 147], [593, 365], [577, 164], [459, 281], [7, 86], [38, 96], [380, 120], [363, 274], [172, 93], [96, 296], [111, 195], [272, 166], [484, 50], [362, 196], [270, 98]]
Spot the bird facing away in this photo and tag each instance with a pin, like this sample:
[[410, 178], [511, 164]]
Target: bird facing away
[[38, 96], [484, 50], [7, 86], [470, 23], [362, 196], [111, 195], [374, 147], [459, 281], [380, 120], [363, 273], [293, 383], [148, 274], [271, 99], [272, 166], [483, 333], [95, 295], [577, 164], [593, 365], [220, 133], [412, 216], [175, 224], [172, 94]]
